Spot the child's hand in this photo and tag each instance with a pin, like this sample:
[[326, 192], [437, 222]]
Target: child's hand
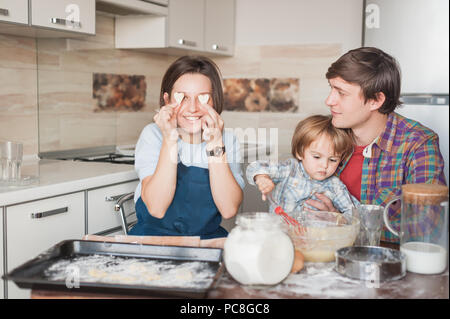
[[265, 184]]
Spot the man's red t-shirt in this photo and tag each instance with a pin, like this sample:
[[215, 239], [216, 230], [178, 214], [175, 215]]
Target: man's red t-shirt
[[351, 175]]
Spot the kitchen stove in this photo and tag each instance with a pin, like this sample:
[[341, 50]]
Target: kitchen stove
[[110, 158], [106, 154]]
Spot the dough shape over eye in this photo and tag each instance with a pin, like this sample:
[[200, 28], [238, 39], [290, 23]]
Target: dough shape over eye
[[203, 98], [178, 96]]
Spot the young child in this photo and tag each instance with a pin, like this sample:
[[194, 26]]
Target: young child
[[318, 148]]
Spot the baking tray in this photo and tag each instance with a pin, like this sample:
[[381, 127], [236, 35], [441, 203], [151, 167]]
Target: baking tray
[[40, 273], [371, 263]]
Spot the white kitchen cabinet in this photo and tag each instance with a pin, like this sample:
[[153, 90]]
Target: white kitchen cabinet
[[252, 197], [48, 18], [33, 227], [2, 285], [186, 24], [14, 11], [132, 7], [192, 26], [77, 16], [220, 26], [101, 201]]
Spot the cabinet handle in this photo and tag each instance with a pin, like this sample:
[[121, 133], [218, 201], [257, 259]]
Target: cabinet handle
[[114, 198], [49, 213], [66, 22], [216, 47], [187, 43], [4, 12], [122, 199]]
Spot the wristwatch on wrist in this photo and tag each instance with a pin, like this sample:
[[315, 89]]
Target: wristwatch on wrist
[[216, 151]]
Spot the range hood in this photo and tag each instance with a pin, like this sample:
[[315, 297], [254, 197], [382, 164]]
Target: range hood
[[133, 7]]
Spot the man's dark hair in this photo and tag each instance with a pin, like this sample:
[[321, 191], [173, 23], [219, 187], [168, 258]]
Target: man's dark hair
[[374, 71]]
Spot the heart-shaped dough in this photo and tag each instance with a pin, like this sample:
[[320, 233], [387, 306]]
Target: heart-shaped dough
[[178, 96], [203, 98]]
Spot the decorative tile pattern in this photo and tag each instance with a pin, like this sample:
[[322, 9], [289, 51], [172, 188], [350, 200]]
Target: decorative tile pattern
[[118, 92], [261, 94]]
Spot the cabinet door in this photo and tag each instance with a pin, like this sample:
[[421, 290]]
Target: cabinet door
[[101, 202], [14, 11], [186, 24], [220, 26], [36, 226], [252, 201], [69, 15], [2, 272]]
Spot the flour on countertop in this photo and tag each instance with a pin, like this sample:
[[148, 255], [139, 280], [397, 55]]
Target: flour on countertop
[[320, 280], [315, 280], [133, 271]]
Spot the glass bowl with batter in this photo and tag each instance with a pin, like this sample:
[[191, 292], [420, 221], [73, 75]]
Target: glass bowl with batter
[[322, 234]]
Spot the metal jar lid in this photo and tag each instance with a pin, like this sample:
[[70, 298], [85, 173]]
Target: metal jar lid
[[371, 263]]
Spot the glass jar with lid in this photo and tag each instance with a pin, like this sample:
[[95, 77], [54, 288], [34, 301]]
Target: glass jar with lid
[[258, 251]]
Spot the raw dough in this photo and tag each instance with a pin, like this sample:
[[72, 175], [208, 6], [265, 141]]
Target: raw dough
[[203, 98], [97, 273], [184, 274], [178, 96]]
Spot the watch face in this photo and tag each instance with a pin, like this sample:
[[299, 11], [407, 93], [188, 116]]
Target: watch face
[[218, 151]]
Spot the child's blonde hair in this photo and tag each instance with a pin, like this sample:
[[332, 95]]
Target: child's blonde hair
[[311, 128]]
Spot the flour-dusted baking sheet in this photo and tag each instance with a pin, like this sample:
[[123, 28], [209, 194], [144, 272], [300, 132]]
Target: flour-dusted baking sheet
[[122, 268]]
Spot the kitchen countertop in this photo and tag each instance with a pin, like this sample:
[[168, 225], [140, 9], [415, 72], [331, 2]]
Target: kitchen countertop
[[314, 281], [57, 177], [319, 280]]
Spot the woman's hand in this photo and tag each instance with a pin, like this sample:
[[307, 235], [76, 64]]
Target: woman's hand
[[323, 204], [212, 126], [265, 184], [166, 119]]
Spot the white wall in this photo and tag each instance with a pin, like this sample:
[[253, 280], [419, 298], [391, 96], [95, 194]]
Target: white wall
[[284, 22]]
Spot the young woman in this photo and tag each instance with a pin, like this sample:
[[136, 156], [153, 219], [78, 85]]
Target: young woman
[[188, 166]]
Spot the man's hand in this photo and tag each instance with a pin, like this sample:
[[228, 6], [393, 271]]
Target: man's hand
[[323, 204]]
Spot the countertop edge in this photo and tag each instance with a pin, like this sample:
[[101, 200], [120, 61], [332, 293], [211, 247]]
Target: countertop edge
[[36, 192]]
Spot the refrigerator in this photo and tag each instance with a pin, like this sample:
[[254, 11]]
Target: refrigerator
[[415, 32]]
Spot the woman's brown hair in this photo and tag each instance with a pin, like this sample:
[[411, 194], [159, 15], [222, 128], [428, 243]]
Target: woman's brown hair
[[309, 129], [194, 64], [374, 71]]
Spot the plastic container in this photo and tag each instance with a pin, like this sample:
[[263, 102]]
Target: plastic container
[[258, 251]]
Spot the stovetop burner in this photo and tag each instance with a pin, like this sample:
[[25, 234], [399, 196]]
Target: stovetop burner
[[106, 154], [110, 158]]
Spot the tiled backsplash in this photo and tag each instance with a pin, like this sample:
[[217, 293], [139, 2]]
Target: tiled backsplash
[[119, 92], [261, 94], [56, 89]]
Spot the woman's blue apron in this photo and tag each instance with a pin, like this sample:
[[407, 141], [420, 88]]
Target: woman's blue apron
[[191, 213]]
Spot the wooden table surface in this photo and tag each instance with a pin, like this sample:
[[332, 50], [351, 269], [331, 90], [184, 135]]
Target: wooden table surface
[[314, 281]]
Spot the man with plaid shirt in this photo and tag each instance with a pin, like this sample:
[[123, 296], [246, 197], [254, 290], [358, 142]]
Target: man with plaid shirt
[[390, 150]]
